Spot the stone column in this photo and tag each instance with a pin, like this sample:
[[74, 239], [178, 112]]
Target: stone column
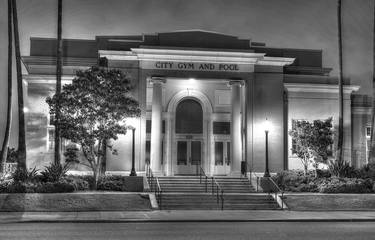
[[156, 124], [235, 130]]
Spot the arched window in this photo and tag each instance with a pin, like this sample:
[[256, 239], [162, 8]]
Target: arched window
[[189, 117]]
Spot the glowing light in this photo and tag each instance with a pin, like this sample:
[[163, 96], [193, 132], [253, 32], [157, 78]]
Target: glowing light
[[267, 125], [191, 80], [25, 110]]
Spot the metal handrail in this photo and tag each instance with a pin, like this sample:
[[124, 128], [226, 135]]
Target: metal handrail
[[154, 185], [277, 192], [158, 193], [200, 176], [218, 189]]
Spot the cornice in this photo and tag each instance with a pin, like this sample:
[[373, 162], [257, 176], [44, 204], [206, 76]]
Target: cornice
[[319, 88]]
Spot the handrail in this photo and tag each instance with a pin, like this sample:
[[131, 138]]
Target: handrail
[[277, 192], [200, 176], [154, 185], [250, 176], [213, 181]]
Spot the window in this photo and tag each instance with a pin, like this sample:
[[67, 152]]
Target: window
[[148, 126], [221, 128], [189, 117], [148, 152]]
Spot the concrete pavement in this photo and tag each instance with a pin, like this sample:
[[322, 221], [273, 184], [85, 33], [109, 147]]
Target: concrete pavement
[[190, 216]]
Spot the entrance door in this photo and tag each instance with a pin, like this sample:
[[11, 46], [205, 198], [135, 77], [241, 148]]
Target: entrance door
[[189, 156], [189, 137], [222, 157]]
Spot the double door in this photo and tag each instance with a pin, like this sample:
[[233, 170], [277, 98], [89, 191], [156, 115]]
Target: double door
[[222, 156], [189, 155]]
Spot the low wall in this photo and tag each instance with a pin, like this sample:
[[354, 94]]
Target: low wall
[[74, 202], [327, 202]]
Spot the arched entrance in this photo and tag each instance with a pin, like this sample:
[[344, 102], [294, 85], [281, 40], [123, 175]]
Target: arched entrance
[[189, 136], [188, 133]]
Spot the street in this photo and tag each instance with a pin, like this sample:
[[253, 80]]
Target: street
[[190, 230]]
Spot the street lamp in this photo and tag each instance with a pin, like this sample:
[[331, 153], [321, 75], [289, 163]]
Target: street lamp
[[266, 126], [132, 172]]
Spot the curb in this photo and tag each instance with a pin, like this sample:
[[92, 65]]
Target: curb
[[183, 220]]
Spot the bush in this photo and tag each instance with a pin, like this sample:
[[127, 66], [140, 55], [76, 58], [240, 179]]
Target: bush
[[54, 172], [21, 175], [293, 180], [54, 187], [78, 183], [111, 183], [342, 169], [346, 185], [367, 171]]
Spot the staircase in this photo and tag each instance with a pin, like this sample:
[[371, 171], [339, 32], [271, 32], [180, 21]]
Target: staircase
[[188, 193]]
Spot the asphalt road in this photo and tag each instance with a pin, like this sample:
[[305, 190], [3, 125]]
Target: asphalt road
[[186, 230]]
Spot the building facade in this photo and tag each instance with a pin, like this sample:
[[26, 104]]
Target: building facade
[[204, 98]]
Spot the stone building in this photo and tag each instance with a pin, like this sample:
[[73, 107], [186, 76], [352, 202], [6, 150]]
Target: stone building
[[204, 97]]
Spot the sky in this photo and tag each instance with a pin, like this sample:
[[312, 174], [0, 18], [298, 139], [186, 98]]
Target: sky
[[310, 24]]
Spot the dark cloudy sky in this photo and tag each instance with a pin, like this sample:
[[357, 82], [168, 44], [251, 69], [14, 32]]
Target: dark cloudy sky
[[281, 23]]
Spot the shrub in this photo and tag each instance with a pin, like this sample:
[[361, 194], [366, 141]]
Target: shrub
[[111, 183], [346, 185], [342, 169], [21, 175], [54, 187], [54, 172], [293, 180], [367, 171], [78, 183]]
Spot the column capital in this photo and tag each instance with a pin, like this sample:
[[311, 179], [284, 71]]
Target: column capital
[[236, 82], [158, 80]]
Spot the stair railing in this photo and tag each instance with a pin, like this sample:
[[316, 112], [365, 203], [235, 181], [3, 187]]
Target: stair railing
[[274, 188], [249, 176], [219, 192], [154, 184], [203, 174]]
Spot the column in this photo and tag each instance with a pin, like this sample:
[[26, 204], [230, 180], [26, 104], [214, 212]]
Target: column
[[156, 124], [235, 131]]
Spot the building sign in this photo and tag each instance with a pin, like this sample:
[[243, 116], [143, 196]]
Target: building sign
[[197, 66]]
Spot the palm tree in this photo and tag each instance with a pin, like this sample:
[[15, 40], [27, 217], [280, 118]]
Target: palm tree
[[4, 149], [371, 156], [58, 81], [340, 85], [21, 114]]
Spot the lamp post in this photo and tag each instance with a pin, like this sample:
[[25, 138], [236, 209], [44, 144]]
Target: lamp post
[[132, 172], [266, 130]]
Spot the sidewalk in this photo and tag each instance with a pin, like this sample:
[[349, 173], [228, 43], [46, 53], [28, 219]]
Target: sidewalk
[[189, 216]]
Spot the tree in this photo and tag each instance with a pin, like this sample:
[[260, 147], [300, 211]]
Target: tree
[[340, 140], [58, 81], [4, 149], [371, 156], [312, 142], [94, 109], [21, 113]]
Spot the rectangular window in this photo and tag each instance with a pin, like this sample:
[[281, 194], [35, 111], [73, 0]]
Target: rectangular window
[[148, 149], [181, 153], [219, 153], [148, 126], [221, 128], [228, 154]]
